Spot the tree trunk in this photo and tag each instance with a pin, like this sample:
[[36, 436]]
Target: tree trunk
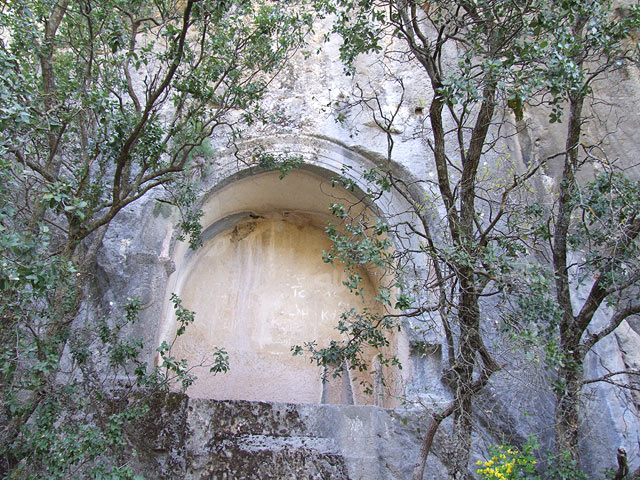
[[623, 466], [425, 448], [462, 433], [567, 412], [469, 318]]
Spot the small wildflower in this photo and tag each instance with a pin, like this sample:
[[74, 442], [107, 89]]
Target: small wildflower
[[508, 463]]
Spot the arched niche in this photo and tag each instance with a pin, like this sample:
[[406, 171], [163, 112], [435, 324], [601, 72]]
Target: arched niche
[[259, 285]]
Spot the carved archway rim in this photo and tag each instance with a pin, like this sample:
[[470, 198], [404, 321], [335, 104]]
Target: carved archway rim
[[324, 156]]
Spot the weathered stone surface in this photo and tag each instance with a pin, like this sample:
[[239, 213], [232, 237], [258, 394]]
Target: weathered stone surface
[[158, 437], [202, 439], [257, 440]]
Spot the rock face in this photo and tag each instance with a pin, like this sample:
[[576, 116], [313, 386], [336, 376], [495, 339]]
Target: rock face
[[247, 300], [200, 439]]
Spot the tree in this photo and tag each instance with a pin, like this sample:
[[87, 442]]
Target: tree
[[466, 240], [102, 102], [478, 241], [598, 220]]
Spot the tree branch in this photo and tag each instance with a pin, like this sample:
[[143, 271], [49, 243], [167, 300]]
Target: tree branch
[[614, 323]]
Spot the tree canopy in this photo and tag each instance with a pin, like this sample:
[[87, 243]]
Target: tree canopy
[[101, 103]]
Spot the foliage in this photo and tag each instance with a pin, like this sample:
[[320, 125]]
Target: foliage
[[101, 103], [107, 100], [171, 370], [79, 429], [282, 162], [510, 463], [360, 243], [602, 208], [461, 245], [591, 233], [480, 235], [183, 194], [563, 467], [71, 432]]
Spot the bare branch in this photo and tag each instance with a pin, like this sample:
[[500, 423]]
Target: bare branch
[[614, 323], [612, 374]]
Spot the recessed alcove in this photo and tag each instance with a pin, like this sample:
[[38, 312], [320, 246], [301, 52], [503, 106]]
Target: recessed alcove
[[259, 285]]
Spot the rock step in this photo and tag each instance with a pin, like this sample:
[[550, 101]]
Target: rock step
[[199, 439], [251, 440]]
